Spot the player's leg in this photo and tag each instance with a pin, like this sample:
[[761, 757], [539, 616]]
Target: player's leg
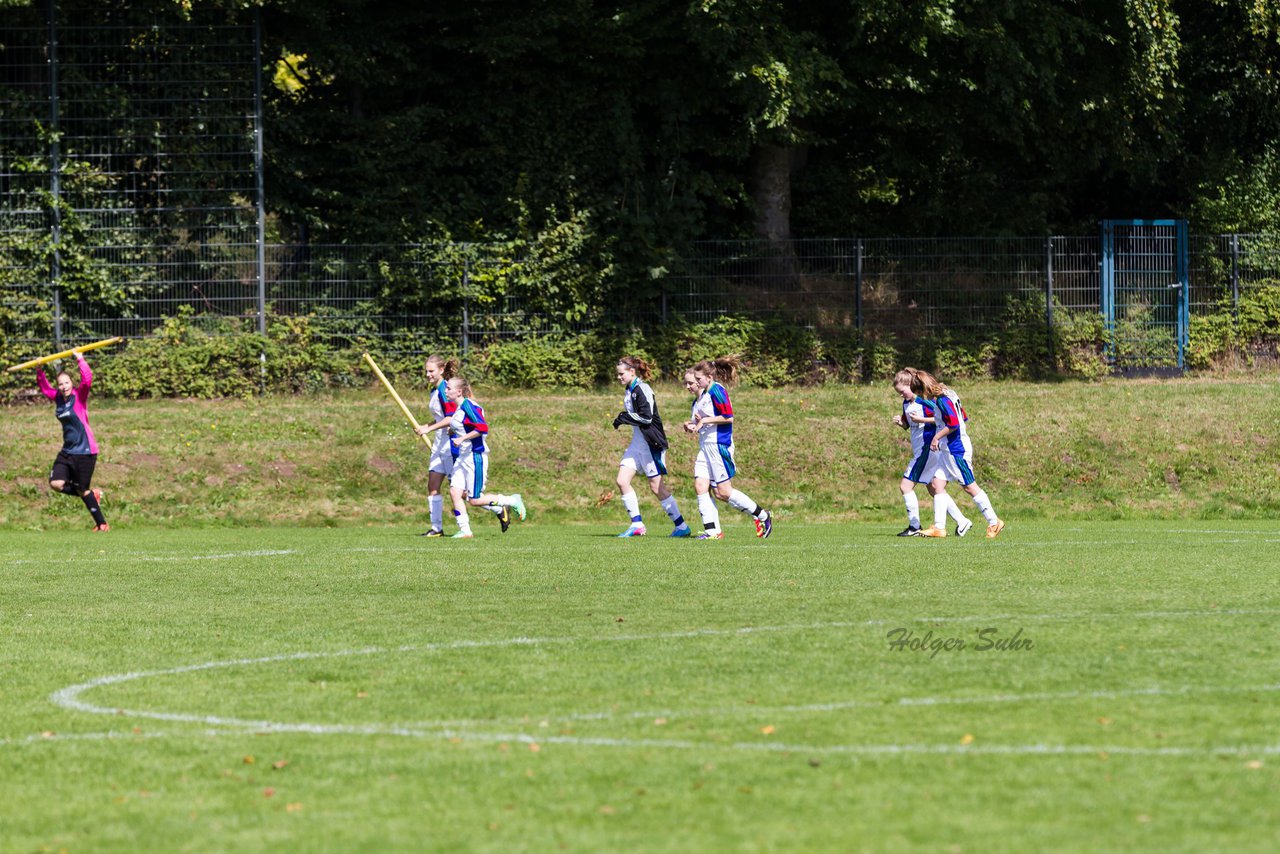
[[630, 501], [908, 489], [656, 470]]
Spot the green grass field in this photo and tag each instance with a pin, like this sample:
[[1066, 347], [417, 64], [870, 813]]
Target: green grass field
[[555, 688]]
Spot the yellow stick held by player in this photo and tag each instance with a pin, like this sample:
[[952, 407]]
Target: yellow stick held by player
[[426, 440], [44, 360]]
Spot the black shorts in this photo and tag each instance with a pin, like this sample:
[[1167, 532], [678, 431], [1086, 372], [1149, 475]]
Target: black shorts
[[75, 469]]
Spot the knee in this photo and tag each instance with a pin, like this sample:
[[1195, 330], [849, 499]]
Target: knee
[[56, 485], [723, 492]]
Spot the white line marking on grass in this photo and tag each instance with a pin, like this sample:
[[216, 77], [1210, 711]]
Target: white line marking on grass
[[70, 698]]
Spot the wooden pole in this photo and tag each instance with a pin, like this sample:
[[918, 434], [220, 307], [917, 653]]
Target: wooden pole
[[44, 360], [407, 414]]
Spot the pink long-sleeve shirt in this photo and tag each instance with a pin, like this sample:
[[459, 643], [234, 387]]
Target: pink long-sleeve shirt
[[72, 411]]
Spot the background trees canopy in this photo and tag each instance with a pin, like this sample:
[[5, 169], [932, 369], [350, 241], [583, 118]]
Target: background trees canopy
[[649, 123]]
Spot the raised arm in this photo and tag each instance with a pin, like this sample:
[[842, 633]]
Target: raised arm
[[43, 382]]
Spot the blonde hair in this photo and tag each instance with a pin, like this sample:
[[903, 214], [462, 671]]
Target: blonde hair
[[723, 370], [640, 366], [463, 385], [926, 383], [448, 367], [904, 377]]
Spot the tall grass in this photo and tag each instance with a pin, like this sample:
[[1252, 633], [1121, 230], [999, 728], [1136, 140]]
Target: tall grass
[[1108, 450]]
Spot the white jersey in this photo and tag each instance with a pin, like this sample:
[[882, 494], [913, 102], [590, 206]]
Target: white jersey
[[713, 401], [440, 407]]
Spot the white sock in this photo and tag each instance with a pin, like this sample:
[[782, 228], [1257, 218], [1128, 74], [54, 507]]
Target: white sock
[[913, 509], [463, 520], [984, 504], [437, 512], [631, 502], [710, 514], [494, 507], [940, 503], [673, 510], [953, 510], [740, 501]]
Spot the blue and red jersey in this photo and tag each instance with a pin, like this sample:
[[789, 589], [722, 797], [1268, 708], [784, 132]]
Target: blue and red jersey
[[468, 417], [951, 415]]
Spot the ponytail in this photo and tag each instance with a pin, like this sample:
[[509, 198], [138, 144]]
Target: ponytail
[[640, 366], [723, 370]]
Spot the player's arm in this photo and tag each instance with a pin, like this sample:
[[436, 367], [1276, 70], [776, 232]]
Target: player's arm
[[43, 382]]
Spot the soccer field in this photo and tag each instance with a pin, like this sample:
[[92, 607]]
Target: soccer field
[[1067, 686]]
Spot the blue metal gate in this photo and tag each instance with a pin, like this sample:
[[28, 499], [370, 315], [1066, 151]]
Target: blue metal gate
[[1144, 292]]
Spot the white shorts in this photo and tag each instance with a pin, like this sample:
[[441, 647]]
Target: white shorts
[[954, 467], [640, 458], [714, 463], [922, 466], [469, 471], [441, 456]]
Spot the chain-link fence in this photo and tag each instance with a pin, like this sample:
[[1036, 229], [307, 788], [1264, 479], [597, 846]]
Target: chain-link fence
[[131, 191]]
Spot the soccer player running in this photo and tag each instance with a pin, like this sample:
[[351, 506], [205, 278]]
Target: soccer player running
[[918, 416], [468, 430], [712, 419], [72, 472], [438, 370], [955, 453], [648, 449]]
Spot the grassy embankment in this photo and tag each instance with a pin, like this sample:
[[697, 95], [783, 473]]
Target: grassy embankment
[[1112, 450]]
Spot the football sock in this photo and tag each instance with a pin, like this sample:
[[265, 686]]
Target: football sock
[[913, 509], [437, 512], [984, 504], [740, 501], [631, 502], [710, 514], [940, 503], [91, 502], [463, 520], [673, 510], [953, 510]]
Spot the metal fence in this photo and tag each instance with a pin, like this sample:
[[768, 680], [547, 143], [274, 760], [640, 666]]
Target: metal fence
[[131, 191], [901, 287]]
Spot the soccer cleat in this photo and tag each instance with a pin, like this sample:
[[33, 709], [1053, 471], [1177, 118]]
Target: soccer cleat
[[910, 531], [517, 504], [765, 528], [505, 518], [932, 531], [100, 529], [711, 535], [636, 530], [962, 528], [463, 535], [682, 531], [993, 531], [434, 532]]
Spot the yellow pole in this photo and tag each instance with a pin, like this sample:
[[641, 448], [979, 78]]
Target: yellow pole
[[44, 360], [407, 414]]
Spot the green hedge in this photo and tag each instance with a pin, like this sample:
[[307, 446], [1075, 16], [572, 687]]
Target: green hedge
[[211, 357]]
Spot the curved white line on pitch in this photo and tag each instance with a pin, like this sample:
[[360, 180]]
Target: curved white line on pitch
[[69, 698]]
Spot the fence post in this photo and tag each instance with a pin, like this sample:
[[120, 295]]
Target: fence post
[[1235, 276], [261, 204], [466, 304], [55, 187], [857, 288], [1048, 292]]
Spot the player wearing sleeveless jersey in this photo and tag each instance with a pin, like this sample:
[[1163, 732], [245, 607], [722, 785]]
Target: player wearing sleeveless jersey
[[918, 416], [72, 472], [955, 452], [438, 370], [712, 419], [468, 431], [648, 449]]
